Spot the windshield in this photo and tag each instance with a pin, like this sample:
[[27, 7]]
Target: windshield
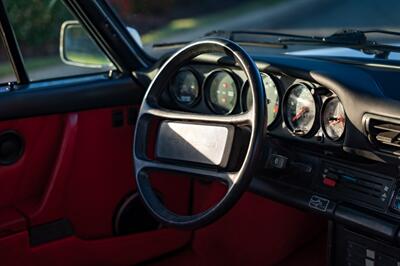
[[171, 21]]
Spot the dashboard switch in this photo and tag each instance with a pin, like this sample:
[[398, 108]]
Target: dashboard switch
[[278, 161], [329, 182], [302, 167]]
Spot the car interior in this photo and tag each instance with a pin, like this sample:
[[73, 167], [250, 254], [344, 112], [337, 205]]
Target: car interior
[[212, 153]]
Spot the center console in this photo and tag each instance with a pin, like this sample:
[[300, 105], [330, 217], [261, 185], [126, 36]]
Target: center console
[[360, 198]]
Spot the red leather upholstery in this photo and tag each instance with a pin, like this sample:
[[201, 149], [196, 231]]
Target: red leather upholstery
[[78, 166]]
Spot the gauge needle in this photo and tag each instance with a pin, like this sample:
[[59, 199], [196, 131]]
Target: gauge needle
[[302, 111], [336, 120]]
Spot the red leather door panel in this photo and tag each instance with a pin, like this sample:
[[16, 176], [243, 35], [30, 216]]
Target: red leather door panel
[[78, 166]]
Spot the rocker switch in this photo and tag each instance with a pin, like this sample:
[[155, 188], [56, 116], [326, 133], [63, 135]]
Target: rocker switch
[[328, 182], [329, 179], [278, 161]]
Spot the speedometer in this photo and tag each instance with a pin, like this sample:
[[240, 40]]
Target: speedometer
[[333, 119], [300, 110]]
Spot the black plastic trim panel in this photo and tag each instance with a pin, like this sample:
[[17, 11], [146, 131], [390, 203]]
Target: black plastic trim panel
[[49, 232], [63, 96], [367, 223]]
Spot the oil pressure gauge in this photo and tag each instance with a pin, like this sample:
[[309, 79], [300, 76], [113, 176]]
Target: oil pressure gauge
[[333, 119]]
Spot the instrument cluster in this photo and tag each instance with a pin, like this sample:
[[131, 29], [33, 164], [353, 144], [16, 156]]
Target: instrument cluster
[[303, 109]]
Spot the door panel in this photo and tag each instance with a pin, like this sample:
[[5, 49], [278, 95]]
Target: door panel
[[77, 166]]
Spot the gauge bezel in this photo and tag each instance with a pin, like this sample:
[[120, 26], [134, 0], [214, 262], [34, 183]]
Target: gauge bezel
[[199, 83], [323, 108], [317, 100], [278, 85], [207, 89]]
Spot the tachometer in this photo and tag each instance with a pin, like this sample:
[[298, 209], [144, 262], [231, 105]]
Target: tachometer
[[185, 87], [333, 119], [272, 92], [300, 110], [221, 92]]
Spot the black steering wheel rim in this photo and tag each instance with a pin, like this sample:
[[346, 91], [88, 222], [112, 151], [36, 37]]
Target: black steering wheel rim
[[256, 117]]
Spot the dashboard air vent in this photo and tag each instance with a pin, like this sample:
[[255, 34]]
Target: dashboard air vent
[[384, 133]]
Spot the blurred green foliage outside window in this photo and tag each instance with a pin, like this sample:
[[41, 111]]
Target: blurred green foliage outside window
[[37, 24], [6, 71]]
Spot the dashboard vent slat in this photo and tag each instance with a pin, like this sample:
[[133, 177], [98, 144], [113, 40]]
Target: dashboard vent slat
[[384, 133], [387, 136], [388, 127]]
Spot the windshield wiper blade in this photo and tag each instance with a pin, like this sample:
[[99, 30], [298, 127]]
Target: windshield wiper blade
[[384, 32], [345, 37], [232, 35], [244, 43], [352, 39]]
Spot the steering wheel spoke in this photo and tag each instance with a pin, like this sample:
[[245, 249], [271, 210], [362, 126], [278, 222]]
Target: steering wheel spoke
[[243, 119], [228, 178]]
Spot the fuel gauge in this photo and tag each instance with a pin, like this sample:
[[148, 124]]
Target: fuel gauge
[[333, 119]]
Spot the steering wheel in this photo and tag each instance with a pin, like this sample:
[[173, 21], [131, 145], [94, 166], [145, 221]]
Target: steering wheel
[[222, 128]]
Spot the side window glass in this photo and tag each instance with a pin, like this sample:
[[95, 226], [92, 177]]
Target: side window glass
[[6, 70], [42, 29]]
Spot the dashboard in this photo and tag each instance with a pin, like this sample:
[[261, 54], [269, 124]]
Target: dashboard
[[332, 142], [333, 138]]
